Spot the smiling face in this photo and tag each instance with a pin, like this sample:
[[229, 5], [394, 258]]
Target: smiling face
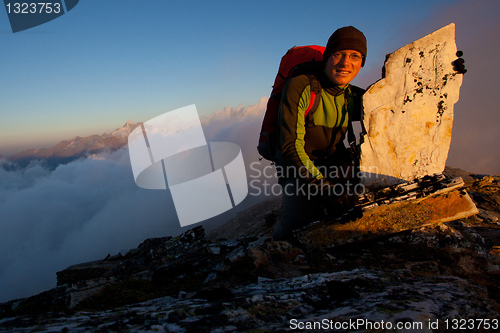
[[341, 69]]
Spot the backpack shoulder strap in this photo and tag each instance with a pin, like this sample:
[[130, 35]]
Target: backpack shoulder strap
[[314, 100], [357, 93], [356, 116]]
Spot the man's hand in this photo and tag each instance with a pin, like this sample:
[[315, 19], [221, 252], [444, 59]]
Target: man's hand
[[339, 207], [458, 64], [342, 208]]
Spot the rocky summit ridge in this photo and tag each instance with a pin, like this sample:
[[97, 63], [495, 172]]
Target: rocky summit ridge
[[236, 279]]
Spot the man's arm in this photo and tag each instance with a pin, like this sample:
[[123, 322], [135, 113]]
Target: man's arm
[[295, 100]]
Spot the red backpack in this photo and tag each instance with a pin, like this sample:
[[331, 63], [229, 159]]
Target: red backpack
[[297, 61]]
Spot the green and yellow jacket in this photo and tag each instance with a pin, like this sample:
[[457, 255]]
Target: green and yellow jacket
[[307, 142]]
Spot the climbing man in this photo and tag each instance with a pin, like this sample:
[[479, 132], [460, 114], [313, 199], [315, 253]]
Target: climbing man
[[316, 169]]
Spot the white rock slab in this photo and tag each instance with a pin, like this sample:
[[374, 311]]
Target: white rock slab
[[409, 112]]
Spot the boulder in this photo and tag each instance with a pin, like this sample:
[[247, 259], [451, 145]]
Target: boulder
[[409, 112]]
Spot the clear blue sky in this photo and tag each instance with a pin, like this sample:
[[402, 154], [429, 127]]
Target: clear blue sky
[[109, 61]]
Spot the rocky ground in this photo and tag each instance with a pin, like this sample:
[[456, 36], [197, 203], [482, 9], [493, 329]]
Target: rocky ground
[[439, 277]]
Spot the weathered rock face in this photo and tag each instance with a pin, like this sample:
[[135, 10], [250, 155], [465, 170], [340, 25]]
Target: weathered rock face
[[409, 112]]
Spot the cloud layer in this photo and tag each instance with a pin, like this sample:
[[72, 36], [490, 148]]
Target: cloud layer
[[79, 212]]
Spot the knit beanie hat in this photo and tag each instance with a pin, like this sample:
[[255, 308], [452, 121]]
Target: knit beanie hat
[[346, 38]]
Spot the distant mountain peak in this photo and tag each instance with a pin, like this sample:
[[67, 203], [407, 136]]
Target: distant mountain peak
[[67, 150], [125, 129]]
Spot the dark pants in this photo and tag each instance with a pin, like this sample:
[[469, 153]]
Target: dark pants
[[298, 208]]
